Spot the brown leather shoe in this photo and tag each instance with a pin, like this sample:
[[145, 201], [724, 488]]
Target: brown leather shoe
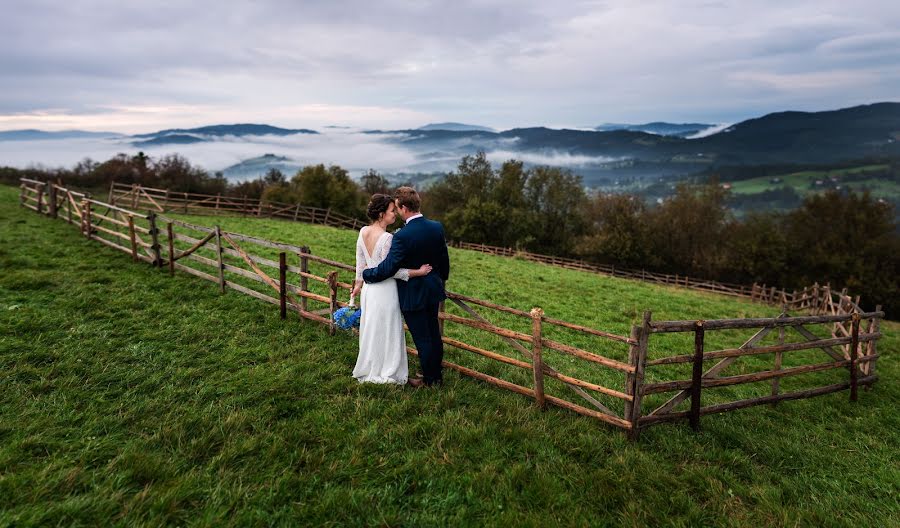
[[415, 382]]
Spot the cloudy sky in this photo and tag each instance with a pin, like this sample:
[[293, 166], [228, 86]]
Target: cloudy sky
[[139, 66]]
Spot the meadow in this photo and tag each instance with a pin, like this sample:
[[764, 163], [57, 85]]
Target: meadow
[[134, 398], [804, 182]]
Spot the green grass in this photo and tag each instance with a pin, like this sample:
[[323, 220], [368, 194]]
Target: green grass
[[803, 182], [132, 398]]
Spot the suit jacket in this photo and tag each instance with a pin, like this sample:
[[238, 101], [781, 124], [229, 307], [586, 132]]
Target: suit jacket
[[420, 242]]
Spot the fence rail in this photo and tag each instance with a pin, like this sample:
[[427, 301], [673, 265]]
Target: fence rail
[[596, 373], [163, 200], [138, 197]]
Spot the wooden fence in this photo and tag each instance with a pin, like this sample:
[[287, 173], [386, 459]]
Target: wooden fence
[[596, 373], [795, 299], [137, 197]]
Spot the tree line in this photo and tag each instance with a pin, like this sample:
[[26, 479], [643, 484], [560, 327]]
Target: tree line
[[848, 239]]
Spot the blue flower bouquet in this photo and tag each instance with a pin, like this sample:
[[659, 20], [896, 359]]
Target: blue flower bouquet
[[347, 317]]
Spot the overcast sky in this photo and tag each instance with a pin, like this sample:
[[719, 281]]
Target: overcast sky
[[138, 66]]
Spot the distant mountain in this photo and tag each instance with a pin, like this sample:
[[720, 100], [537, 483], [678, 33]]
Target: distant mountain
[[255, 167], [169, 139], [779, 138], [36, 135], [231, 130], [456, 127], [810, 137], [659, 128]]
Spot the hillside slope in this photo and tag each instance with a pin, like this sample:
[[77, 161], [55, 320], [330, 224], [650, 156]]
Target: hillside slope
[[134, 396]]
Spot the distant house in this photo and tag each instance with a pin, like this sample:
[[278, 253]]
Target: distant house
[[775, 180], [726, 186]]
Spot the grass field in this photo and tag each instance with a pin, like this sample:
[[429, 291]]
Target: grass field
[[803, 182], [130, 397]]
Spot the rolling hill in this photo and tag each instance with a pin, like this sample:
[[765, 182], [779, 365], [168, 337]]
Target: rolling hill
[[157, 400]]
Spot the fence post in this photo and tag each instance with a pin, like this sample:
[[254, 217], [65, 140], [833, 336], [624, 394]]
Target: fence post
[[697, 378], [133, 239], [537, 361], [171, 233], [52, 201], [640, 363], [632, 360], [282, 284], [68, 199], [86, 218], [40, 198], [221, 264], [304, 282], [218, 197], [154, 237], [112, 194], [332, 285], [872, 346], [22, 190], [327, 214], [441, 321], [854, 354], [296, 212], [815, 299], [776, 382]]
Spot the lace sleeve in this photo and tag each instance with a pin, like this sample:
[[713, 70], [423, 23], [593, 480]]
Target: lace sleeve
[[360, 257], [402, 273]]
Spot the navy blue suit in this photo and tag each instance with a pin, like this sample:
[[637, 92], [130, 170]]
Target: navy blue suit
[[421, 242]]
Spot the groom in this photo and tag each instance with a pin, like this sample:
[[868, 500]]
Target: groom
[[420, 242]]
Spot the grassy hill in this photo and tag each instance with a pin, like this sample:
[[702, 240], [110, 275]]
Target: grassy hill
[[805, 182], [130, 397]]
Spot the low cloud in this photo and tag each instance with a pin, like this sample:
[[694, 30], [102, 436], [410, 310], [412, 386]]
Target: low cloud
[[350, 148]]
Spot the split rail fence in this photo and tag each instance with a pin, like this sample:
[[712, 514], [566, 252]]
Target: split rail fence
[[608, 376], [137, 197]]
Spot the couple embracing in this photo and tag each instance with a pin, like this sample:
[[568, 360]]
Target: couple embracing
[[403, 273]]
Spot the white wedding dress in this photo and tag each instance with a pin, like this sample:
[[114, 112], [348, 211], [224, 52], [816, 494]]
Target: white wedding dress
[[382, 342]]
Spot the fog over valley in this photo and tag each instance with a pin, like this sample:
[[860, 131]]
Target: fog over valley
[[354, 149]]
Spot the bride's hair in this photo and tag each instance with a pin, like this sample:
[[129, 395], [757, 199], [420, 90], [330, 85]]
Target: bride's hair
[[378, 205]]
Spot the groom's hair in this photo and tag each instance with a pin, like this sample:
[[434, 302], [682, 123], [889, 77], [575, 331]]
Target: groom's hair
[[409, 198]]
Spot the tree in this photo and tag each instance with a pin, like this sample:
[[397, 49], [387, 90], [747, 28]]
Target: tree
[[617, 228], [329, 188], [274, 176], [850, 240], [478, 204], [757, 250], [374, 183], [176, 172], [555, 198], [686, 230]]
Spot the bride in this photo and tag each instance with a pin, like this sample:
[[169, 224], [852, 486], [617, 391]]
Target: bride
[[382, 342]]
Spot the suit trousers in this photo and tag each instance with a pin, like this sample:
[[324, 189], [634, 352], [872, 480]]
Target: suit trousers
[[426, 334]]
